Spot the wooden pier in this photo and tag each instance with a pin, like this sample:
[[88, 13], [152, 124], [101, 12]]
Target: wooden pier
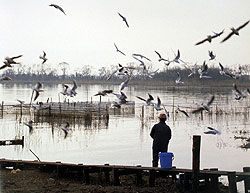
[[13, 142], [208, 178]]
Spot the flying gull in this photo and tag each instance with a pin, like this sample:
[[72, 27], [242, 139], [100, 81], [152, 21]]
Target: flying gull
[[160, 58], [119, 50], [104, 93], [210, 37], [182, 111], [237, 93], [43, 57], [204, 106], [147, 101], [234, 31], [124, 84], [57, 7], [141, 56], [158, 104], [212, 131], [178, 80], [211, 55], [124, 19], [8, 61], [70, 91]]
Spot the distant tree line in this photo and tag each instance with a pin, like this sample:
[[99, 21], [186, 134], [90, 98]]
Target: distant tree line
[[40, 72]]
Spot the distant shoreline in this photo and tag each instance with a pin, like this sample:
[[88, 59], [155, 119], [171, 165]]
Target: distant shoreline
[[147, 82]]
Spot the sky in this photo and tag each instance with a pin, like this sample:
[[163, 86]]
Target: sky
[[86, 35]]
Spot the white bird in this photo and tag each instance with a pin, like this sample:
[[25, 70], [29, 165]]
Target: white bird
[[70, 91], [151, 74], [121, 98], [193, 70], [178, 80], [237, 93], [147, 101], [119, 50], [212, 131], [115, 105], [204, 106], [124, 19], [37, 89], [182, 111], [158, 104], [124, 84], [166, 112], [43, 57], [141, 56], [203, 71], [210, 37], [234, 31], [8, 61], [57, 7]]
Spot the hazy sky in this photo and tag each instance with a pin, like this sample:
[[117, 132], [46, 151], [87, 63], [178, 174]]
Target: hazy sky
[[86, 35]]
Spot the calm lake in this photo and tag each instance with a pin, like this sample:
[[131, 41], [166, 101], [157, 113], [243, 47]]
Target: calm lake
[[125, 139]]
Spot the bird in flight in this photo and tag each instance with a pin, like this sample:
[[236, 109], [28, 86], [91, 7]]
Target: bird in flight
[[234, 31], [212, 131], [182, 111], [104, 92], [147, 101], [237, 93], [158, 104], [57, 7], [160, 58], [141, 56], [211, 55], [70, 91], [210, 37], [124, 19], [8, 61], [37, 89], [204, 106], [178, 80], [43, 57], [119, 50]]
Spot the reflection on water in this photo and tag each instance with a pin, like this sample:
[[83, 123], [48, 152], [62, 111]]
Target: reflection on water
[[121, 136]]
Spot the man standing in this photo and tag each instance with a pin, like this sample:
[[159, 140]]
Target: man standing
[[161, 135]]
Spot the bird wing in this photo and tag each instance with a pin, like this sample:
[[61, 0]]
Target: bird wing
[[37, 94], [158, 101], [150, 97], [218, 34], [211, 101], [202, 41], [236, 89], [178, 55], [229, 75], [141, 98], [44, 54], [116, 47], [121, 52], [158, 54], [75, 85], [227, 37], [197, 110], [184, 112], [108, 91], [3, 66], [16, 57], [240, 27], [221, 67], [210, 128], [58, 7]]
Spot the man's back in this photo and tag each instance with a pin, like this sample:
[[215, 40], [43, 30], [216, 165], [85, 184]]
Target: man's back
[[161, 134]]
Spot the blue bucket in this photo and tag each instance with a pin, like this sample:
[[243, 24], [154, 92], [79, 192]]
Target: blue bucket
[[166, 159]]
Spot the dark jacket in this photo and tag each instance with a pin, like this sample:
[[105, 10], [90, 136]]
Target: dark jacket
[[161, 134]]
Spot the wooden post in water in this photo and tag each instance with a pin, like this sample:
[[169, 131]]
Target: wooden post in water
[[196, 162], [2, 107], [247, 180], [232, 182]]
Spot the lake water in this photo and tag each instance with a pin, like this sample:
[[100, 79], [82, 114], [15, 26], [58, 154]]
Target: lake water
[[125, 139]]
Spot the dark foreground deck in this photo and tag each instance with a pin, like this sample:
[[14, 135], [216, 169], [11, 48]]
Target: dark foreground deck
[[207, 177]]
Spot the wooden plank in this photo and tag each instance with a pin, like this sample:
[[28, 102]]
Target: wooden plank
[[214, 181], [196, 162], [246, 180], [116, 176], [232, 182]]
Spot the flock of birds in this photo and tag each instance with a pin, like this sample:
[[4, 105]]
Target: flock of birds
[[127, 71]]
